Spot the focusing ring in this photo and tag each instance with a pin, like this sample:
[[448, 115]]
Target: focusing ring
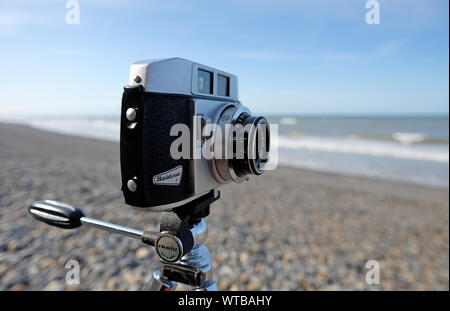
[[252, 162]]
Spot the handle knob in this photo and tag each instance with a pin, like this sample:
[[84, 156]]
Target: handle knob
[[57, 214]]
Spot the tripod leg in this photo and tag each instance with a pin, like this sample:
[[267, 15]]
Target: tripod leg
[[207, 287], [159, 283], [198, 261]]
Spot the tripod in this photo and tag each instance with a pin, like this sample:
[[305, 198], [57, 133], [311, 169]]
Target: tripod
[[179, 243]]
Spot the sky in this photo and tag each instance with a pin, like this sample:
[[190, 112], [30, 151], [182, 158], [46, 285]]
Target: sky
[[291, 57]]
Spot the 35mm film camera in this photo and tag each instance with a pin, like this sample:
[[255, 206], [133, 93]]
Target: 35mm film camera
[[161, 166]]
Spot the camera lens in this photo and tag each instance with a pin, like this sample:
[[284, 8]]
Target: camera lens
[[256, 138], [242, 147]]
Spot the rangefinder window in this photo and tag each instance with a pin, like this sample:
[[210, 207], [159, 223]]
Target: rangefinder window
[[223, 85], [205, 81]]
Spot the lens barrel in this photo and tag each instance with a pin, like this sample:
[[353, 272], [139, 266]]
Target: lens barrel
[[256, 146], [243, 147]]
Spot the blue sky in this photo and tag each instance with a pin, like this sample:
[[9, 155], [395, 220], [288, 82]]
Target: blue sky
[[291, 57]]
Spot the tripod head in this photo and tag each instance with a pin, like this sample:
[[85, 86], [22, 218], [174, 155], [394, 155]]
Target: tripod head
[[180, 228]]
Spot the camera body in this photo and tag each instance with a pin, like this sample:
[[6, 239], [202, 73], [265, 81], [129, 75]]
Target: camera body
[[163, 94]]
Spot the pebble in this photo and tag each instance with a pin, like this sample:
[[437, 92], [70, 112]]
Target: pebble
[[142, 252]]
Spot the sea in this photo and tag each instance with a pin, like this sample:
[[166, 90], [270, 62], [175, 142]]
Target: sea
[[405, 149]]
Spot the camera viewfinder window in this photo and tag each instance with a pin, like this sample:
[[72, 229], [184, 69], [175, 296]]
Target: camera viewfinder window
[[205, 82], [223, 85]]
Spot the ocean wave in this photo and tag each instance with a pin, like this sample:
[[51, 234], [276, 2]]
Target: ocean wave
[[366, 147], [409, 138], [288, 121]]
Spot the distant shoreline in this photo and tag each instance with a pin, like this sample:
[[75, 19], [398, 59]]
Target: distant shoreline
[[25, 127], [413, 151]]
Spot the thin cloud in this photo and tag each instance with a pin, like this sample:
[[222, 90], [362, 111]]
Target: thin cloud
[[19, 18], [262, 55], [390, 47], [385, 48]]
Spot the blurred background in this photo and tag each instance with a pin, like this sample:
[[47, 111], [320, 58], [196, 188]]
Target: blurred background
[[363, 143]]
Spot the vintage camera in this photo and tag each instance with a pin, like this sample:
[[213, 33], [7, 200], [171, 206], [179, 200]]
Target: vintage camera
[[168, 94]]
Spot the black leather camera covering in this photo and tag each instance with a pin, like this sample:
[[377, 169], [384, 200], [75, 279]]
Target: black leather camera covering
[[145, 146]]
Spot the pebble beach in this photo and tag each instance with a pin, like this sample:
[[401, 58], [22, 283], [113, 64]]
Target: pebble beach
[[289, 229]]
